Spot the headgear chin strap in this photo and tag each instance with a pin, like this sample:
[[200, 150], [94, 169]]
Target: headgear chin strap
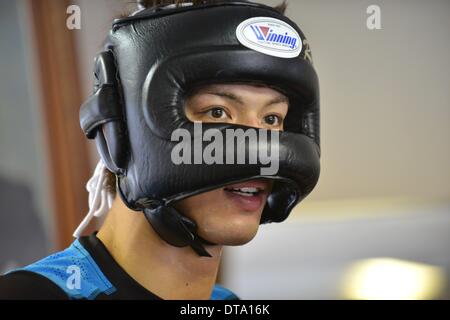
[[151, 61]]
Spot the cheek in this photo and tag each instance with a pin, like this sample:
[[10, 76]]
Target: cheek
[[210, 203]]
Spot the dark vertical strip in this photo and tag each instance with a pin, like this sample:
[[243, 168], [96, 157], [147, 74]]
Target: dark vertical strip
[[60, 87]]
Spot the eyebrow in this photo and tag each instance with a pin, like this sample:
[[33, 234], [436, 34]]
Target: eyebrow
[[230, 96]]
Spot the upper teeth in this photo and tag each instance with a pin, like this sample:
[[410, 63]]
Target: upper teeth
[[248, 189], [245, 190]]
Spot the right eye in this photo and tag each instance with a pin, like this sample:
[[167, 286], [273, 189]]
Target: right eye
[[217, 113]]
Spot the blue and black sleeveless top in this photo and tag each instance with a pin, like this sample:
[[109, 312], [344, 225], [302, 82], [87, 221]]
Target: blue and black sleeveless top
[[85, 270]]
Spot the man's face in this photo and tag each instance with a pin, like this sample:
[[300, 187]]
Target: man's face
[[231, 215]]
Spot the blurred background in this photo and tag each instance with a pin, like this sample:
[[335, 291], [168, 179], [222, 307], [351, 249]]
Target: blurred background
[[377, 226]]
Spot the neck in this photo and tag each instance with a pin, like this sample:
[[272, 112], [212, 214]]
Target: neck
[[165, 270]]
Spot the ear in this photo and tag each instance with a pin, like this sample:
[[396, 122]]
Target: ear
[[101, 116]]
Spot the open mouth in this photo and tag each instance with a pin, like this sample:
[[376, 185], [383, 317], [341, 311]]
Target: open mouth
[[245, 191], [249, 195]]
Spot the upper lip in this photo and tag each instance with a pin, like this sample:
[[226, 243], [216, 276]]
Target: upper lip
[[261, 185]]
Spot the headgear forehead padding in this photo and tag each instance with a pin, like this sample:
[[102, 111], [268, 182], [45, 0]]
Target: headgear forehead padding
[[159, 56]]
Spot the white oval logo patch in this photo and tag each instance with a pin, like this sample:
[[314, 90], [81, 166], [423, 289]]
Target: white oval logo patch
[[270, 36]]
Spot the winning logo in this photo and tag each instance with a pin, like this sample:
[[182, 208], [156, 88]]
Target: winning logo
[[270, 36]]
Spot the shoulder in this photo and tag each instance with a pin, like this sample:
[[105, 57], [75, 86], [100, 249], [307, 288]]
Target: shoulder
[[25, 285], [71, 272]]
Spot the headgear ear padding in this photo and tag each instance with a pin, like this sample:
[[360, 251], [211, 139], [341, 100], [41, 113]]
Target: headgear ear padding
[[160, 55], [101, 116]]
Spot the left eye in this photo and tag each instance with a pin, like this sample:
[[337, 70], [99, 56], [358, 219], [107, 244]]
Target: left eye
[[272, 120]]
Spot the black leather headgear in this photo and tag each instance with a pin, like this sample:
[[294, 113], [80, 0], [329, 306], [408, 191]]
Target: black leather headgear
[[151, 60]]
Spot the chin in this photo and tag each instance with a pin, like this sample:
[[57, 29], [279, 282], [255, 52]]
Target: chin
[[223, 218], [237, 241], [231, 234]]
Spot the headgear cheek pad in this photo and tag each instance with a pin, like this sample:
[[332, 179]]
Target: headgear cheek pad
[[152, 60]]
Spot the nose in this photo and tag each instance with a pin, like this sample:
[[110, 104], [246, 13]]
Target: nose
[[250, 120]]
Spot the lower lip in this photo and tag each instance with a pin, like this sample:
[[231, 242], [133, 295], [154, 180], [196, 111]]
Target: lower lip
[[249, 204]]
